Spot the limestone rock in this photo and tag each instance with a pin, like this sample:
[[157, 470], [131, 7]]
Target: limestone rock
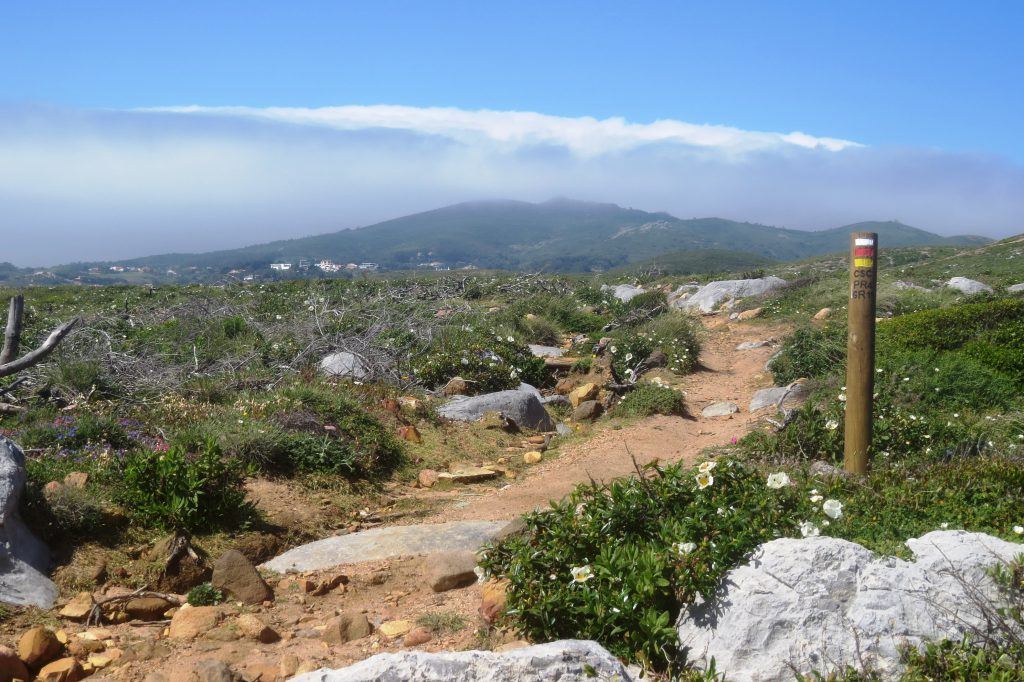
[[38, 646], [1014, 288], [347, 627], [823, 314], [823, 603], [750, 314], [76, 479], [564, 660], [751, 345], [721, 409], [546, 351], [450, 570], [12, 667], [623, 292], [583, 393], [62, 670], [588, 410], [427, 478], [190, 622], [344, 364], [23, 558], [236, 575], [467, 475], [522, 407], [795, 395], [708, 297], [968, 286]]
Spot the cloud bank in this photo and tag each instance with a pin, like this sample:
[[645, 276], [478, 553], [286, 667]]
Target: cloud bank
[[105, 185]]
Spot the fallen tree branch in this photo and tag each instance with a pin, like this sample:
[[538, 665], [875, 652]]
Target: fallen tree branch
[[40, 353]]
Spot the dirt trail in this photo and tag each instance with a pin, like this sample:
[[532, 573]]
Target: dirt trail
[[727, 374]]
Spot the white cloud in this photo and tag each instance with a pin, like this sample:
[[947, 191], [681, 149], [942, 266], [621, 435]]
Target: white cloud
[[584, 136]]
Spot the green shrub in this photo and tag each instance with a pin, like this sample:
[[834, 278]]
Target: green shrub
[[205, 594], [809, 353], [79, 377], [677, 335], [489, 362], [627, 351], [615, 563], [173, 490], [950, 328], [649, 399]]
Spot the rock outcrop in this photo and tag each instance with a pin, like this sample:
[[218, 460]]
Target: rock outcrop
[[968, 286], [710, 296], [24, 559], [823, 603], [565, 660], [520, 406], [344, 364]]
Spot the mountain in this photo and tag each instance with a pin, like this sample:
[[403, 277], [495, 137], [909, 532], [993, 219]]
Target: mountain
[[560, 235]]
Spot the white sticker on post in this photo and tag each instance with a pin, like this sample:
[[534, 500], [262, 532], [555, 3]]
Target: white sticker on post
[[860, 241]]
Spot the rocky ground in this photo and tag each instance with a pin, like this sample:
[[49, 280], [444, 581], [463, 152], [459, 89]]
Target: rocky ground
[[345, 613]]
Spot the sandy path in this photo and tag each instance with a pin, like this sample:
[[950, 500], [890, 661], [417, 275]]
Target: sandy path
[[728, 374]]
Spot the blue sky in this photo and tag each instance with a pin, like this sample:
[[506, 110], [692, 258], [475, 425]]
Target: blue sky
[[930, 92]]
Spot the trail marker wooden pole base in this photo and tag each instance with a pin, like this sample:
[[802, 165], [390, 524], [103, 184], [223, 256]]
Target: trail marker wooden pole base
[[860, 351]]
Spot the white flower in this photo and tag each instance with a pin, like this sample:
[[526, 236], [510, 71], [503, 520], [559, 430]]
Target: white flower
[[831, 425], [826, 522], [778, 480], [720, 511], [310, 308], [832, 508], [511, 340], [277, 317], [816, 498], [706, 467], [465, 361], [613, 349], [842, 397], [809, 530], [944, 525], [581, 574], [629, 356], [704, 479], [683, 548], [1019, 530], [481, 574]]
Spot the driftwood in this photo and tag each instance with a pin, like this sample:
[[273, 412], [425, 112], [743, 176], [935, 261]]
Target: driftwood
[[12, 340], [95, 616]]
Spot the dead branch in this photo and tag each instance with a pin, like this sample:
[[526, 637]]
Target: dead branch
[[12, 337], [95, 616], [40, 353]]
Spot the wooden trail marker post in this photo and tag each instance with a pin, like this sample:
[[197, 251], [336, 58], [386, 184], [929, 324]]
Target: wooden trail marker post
[[860, 351]]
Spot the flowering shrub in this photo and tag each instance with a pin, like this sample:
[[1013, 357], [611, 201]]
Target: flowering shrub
[[616, 563], [486, 360]]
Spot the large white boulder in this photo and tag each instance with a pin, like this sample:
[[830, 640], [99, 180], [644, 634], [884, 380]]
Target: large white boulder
[[23, 557], [569, 660], [823, 604], [521, 406], [624, 292], [344, 364], [968, 286], [710, 296]]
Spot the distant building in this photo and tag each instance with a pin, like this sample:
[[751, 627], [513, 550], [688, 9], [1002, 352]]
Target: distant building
[[304, 263], [368, 266], [280, 266], [117, 268]]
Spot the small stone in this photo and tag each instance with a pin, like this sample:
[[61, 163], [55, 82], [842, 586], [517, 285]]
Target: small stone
[[52, 488], [395, 628], [410, 434], [656, 359], [532, 457], [76, 479], [83, 647], [750, 314], [252, 627], [236, 575], [12, 667], [427, 478], [450, 570], [38, 646], [98, 574], [79, 607], [99, 661], [565, 386], [409, 403], [288, 666], [455, 386], [722, 409], [147, 608], [467, 475], [347, 627], [582, 394], [61, 670], [588, 410], [492, 599], [193, 621], [416, 637], [823, 314], [211, 670]]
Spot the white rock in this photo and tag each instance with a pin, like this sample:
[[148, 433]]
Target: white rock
[[623, 292], [751, 345], [564, 660], [795, 395], [967, 286], [541, 351], [521, 406], [823, 603], [343, 364], [722, 409], [708, 297], [1015, 287], [23, 557]]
